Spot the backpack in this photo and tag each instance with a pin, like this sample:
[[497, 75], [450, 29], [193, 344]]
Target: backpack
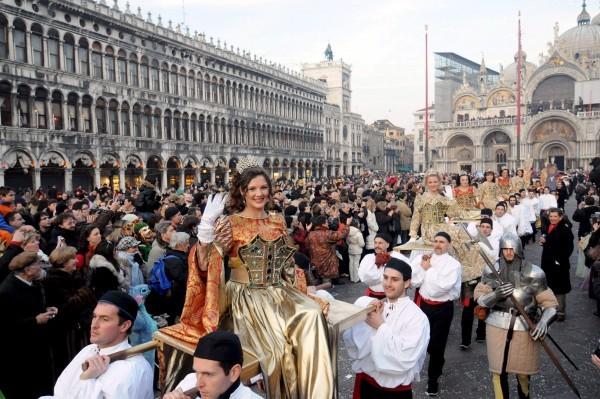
[[158, 280]]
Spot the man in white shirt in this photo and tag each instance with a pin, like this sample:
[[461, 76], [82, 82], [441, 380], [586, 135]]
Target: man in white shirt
[[130, 378], [506, 220], [218, 361], [389, 348], [532, 204], [438, 277], [497, 230], [521, 215], [370, 270]]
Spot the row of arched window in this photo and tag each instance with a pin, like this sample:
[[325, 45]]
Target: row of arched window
[[36, 108], [106, 63]]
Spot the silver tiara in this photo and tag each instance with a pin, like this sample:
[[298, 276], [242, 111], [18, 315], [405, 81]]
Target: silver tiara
[[247, 162]]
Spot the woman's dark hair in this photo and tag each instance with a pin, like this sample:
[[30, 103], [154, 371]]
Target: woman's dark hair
[[107, 249], [460, 176], [239, 185], [85, 233], [489, 172]]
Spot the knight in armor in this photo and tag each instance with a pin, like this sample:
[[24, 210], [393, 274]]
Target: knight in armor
[[511, 347]]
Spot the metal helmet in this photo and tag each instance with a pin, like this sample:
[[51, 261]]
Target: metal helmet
[[510, 240], [535, 278]]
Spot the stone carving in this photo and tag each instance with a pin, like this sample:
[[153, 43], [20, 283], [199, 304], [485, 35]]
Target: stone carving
[[133, 161], [53, 158], [110, 159], [18, 159], [84, 159]]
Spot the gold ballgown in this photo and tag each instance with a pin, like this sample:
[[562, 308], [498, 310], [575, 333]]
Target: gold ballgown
[[279, 325]]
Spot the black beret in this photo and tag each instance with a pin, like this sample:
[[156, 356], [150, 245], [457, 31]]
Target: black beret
[[488, 221], [220, 346], [384, 236], [401, 266], [443, 234], [128, 307]]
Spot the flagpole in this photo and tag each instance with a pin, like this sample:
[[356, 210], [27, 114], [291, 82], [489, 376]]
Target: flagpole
[[519, 72], [426, 102]]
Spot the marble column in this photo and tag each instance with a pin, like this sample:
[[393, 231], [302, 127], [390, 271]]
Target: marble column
[[68, 180], [182, 178], [164, 182], [11, 44], [122, 186], [213, 177], [14, 99], [65, 115], [37, 178], [97, 176]]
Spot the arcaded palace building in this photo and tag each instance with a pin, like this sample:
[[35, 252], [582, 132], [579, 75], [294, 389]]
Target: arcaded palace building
[[475, 114], [92, 93]]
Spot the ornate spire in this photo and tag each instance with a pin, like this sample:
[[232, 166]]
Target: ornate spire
[[584, 16]]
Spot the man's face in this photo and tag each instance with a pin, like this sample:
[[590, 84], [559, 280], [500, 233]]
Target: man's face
[[17, 221], [45, 222], [508, 254], [394, 285], [68, 224], [512, 201], [485, 229], [554, 217], [381, 245], [9, 198], [166, 236], [323, 204], [106, 330], [177, 219], [211, 380], [500, 211], [85, 210], [440, 245]]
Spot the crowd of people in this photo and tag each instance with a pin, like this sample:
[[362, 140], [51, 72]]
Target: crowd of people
[[80, 271]]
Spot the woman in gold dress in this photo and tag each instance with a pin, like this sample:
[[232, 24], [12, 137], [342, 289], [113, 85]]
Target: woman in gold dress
[[518, 182], [503, 182], [430, 209], [488, 191], [465, 197], [279, 325]]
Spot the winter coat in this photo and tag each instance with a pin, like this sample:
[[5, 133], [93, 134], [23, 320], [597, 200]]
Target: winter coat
[[156, 252], [321, 245], [132, 266], [405, 215], [25, 345], [104, 276], [146, 200], [176, 269], [583, 217], [384, 221], [355, 241], [555, 258], [70, 236], [373, 228], [11, 251], [594, 176], [75, 303]]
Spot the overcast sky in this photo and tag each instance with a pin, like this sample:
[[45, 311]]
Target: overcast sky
[[383, 40]]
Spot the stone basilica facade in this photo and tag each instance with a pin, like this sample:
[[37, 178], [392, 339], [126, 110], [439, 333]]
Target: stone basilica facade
[[92, 94], [560, 110]]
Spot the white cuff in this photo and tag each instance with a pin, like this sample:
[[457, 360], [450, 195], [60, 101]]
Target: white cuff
[[206, 233]]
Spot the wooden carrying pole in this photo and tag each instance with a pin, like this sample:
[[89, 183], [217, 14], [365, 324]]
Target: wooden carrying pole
[[125, 353]]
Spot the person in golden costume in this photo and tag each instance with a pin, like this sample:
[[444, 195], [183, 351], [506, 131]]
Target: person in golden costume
[[466, 198], [517, 182], [430, 209], [278, 324], [503, 183], [489, 192]]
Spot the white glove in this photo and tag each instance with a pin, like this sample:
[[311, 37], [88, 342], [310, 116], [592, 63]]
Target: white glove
[[213, 210]]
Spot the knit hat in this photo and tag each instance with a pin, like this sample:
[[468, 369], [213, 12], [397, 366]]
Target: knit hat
[[139, 226], [126, 243]]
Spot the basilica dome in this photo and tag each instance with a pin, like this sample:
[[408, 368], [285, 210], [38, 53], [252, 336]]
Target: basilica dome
[[582, 40], [509, 75]]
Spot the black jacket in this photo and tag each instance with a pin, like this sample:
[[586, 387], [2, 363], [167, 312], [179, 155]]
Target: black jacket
[[12, 251], [75, 303], [384, 221], [70, 236], [146, 200], [176, 269], [25, 346], [583, 217], [555, 258], [595, 176]]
